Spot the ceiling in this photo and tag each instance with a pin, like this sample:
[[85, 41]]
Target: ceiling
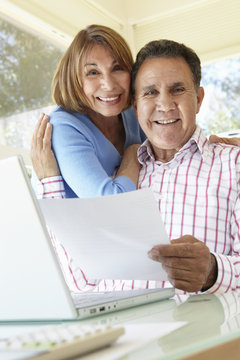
[[211, 27]]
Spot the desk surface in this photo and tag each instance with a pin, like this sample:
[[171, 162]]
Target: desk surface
[[210, 321]]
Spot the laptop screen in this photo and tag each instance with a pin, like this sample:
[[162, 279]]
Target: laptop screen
[[31, 281]]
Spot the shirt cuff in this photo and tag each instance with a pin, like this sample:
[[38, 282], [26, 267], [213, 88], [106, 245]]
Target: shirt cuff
[[225, 276], [52, 187]]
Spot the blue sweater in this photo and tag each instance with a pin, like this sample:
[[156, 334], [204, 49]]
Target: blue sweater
[[87, 159]]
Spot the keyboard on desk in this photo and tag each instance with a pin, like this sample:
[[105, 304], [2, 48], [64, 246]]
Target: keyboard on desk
[[64, 341]]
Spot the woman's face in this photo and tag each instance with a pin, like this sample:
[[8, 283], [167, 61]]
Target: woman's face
[[105, 84]]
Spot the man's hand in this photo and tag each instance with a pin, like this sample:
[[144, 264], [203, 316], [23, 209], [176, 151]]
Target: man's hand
[[43, 158], [230, 141], [188, 262]]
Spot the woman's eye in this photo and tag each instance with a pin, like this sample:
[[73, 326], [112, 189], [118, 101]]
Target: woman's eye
[[117, 68], [92, 72]]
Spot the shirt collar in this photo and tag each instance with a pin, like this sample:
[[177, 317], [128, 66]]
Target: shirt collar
[[197, 141]]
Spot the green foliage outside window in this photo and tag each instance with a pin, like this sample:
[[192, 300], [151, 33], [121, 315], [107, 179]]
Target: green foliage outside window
[[27, 65]]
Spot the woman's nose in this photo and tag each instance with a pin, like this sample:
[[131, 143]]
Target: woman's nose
[[107, 82]]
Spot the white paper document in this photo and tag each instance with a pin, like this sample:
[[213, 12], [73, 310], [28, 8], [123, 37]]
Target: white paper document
[[109, 236]]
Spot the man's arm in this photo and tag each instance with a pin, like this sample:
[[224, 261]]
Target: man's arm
[[51, 188]]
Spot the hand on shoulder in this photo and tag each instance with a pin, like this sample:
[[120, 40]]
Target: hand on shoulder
[[43, 159], [229, 141]]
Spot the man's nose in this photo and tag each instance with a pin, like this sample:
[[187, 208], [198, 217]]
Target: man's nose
[[165, 102]]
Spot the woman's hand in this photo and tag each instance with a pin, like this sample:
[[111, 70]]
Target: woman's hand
[[130, 165], [230, 141], [43, 159]]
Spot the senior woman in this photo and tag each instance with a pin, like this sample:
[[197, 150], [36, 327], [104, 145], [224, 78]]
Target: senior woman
[[93, 125], [94, 135]]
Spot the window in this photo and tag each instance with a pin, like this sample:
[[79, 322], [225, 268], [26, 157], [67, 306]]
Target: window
[[220, 109], [27, 65]]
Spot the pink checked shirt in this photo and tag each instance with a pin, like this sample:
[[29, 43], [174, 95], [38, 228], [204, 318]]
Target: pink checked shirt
[[197, 194]]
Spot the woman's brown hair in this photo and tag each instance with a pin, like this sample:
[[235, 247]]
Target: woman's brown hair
[[67, 88]]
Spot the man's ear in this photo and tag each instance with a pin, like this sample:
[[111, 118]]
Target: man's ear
[[200, 96], [134, 104]]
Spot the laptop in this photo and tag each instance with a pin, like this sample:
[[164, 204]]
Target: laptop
[[31, 281]]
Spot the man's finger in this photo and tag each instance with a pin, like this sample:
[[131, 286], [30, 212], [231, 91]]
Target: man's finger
[[185, 239], [181, 250], [185, 285]]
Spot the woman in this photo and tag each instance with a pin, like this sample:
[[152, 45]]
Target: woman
[[93, 137], [93, 125]]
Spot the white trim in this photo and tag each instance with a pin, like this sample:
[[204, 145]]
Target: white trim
[[104, 11], [219, 55], [173, 11], [27, 20]]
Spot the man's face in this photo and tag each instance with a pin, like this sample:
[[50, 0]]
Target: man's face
[[166, 104]]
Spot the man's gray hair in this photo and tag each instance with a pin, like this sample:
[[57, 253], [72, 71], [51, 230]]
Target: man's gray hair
[[167, 49]]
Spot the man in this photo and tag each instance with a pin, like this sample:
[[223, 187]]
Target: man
[[196, 183]]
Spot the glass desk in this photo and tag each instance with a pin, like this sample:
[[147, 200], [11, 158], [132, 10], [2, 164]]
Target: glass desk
[[212, 323], [212, 329]]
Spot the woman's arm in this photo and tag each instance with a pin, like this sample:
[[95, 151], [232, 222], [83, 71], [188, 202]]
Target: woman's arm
[[86, 164], [130, 165], [87, 160]]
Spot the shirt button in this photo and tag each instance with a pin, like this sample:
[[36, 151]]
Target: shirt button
[[158, 196], [165, 167]]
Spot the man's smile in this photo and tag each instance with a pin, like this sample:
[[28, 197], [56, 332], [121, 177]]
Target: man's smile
[[166, 122]]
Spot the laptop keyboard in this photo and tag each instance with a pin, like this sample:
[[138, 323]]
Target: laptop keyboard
[[88, 299], [63, 341], [81, 300]]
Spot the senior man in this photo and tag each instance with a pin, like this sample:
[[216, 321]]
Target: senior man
[[195, 183]]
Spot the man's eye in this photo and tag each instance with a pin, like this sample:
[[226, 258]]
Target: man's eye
[[150, 92], [178, 90]]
